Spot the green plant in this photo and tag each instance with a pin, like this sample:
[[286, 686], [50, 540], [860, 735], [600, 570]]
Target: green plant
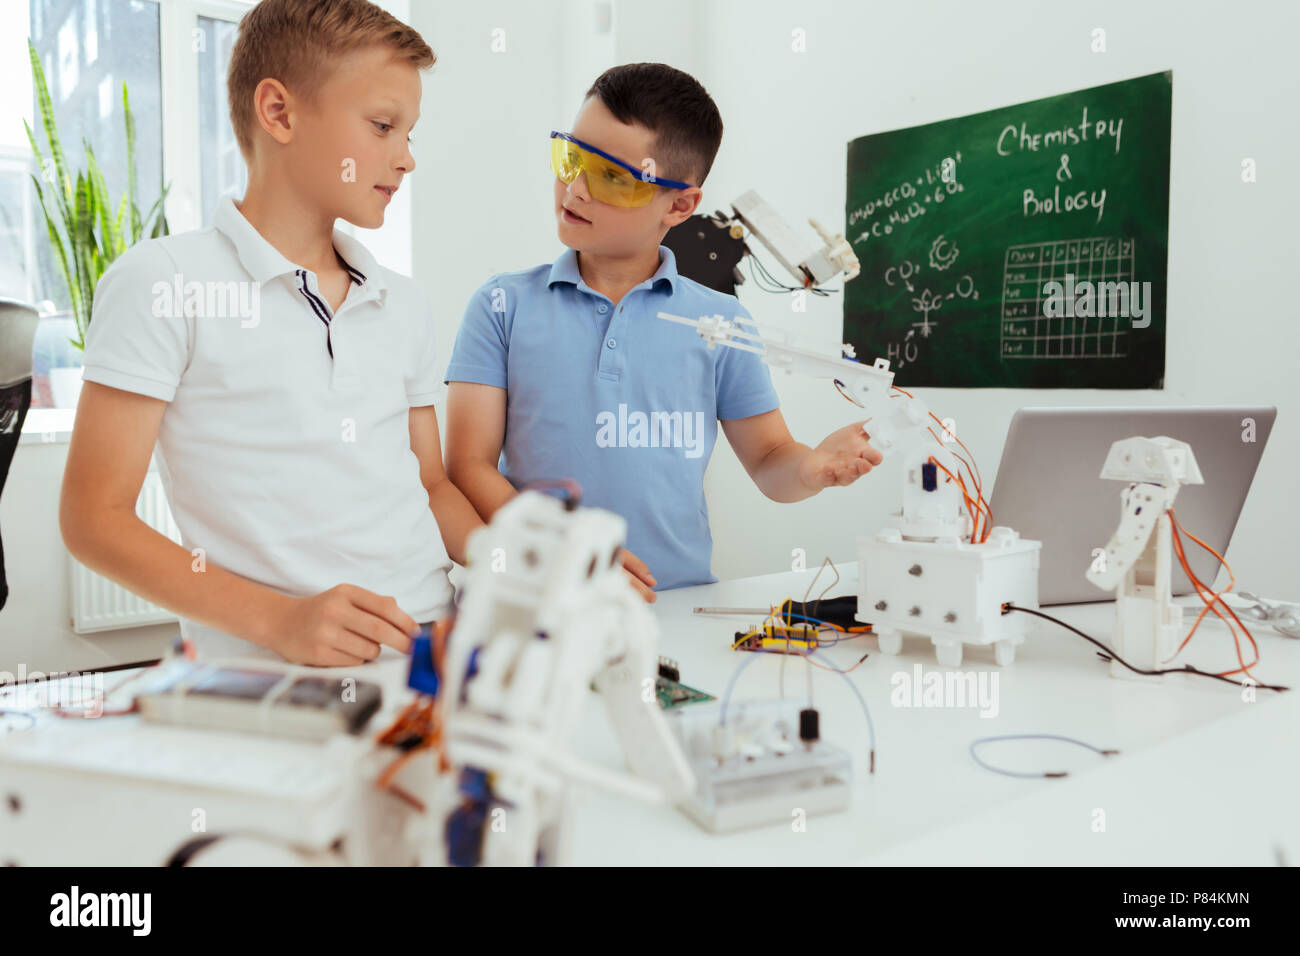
[[85, 234]]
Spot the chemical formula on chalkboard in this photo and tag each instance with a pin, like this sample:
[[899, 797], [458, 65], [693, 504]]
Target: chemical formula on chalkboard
[[1020, 247], [930, 291], [906, 201]]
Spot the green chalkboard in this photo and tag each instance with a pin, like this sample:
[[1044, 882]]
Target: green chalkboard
[[961, 226]]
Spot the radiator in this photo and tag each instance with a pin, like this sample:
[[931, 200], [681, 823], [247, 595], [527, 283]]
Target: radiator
[[100, 605]]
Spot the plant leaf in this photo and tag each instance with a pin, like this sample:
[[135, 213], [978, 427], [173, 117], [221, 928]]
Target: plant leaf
[[51, 130]]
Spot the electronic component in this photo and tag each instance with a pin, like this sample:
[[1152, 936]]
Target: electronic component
[[669, 668], [809, 725], [929, 476], [797, 627], [671, 691], [781, 639], [423, 674], [756, 767], [709, 249], [265, 700]]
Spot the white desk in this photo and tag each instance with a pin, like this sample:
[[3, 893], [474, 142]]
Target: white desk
[[1202, 779]]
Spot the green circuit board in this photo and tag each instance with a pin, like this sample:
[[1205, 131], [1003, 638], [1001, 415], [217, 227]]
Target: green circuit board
[[672, 693]]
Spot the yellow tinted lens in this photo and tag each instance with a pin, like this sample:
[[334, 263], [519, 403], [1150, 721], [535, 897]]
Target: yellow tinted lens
[[566, 160], [611, 183], [608, 182]]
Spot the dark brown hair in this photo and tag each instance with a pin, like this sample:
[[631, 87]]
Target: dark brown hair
[[674, 107]]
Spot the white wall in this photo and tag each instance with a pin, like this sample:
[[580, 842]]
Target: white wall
[[481, 203], [871, 67], [35, 626]]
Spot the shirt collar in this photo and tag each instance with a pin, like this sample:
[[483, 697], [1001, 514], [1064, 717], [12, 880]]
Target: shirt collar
[[565, 269], [264, 262]]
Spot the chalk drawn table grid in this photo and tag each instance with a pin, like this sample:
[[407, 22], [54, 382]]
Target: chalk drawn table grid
[[1027, 333]]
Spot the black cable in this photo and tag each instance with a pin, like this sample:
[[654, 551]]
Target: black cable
[[191, 848], [815, 290], [760, 278], [1185, 669], [763, 274]]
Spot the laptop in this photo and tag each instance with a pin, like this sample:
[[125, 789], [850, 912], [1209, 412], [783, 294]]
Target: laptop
[[1048, 487]]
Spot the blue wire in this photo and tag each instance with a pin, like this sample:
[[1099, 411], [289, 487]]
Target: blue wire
[[7, 712], [735, 675], [871, 726], [731, 684], [1031, 776], [841, 634]]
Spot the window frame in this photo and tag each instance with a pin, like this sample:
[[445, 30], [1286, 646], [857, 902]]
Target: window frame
[[179, 74]]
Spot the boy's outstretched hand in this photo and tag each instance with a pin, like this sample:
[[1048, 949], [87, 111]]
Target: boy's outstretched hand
[[842, 458], [640, 576]]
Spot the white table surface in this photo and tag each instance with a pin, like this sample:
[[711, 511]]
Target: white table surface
[[1203, 778]]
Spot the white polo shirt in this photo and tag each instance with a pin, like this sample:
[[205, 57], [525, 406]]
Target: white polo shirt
[[285, 449]]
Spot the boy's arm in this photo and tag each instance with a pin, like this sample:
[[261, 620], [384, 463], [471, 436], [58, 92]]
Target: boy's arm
[[476, 430], [786, 470], [456, 516], [112, 442]]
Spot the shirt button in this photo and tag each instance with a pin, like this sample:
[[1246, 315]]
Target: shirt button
[[610, 343], [602, 309]]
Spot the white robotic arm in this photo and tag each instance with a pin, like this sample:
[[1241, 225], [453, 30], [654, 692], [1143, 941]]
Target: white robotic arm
[[546, 613], [1138, 561], [835, 256], [925, 573], [933, 505]]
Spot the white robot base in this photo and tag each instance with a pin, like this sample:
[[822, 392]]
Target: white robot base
[[948, 590]]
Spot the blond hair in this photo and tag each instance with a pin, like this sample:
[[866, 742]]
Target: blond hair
[[294, 41]]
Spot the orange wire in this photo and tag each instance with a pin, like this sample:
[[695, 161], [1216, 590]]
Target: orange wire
[[1213, 598], [1178, 528], [972, 469], [971, 506], [1182, 558], [977, 505], [1209, 598]]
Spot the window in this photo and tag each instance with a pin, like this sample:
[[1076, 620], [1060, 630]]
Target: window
[[88, 49], [172, 55], [224, 171]]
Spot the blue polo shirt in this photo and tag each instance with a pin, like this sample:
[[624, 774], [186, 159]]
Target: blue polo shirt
[[623, 402]]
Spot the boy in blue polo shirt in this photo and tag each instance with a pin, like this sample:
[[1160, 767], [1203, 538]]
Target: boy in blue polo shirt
[[565, 371]]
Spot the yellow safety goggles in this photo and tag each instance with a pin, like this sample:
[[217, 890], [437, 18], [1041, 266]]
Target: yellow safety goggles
[[609, 179]]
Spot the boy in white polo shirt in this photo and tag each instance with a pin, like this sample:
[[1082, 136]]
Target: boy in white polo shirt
[[288, 380]]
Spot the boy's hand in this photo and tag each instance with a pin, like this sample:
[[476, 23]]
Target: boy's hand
[[842, 458], [639, 575], [342, 626]]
